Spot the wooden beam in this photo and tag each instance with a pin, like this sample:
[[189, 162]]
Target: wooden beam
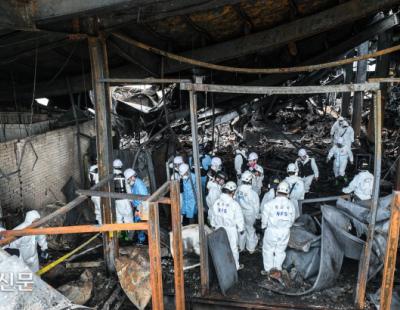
[[16, 15], [378, 27], [157, 299], [165, 200], [78, 229], [63, 210], [391, 254], [270, 39], [53, 10], [367, 250], [177, 246], [279, 90], [132, 71], [99, 68]]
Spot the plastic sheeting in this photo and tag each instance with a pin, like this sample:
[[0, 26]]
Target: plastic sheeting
[[22, 289]]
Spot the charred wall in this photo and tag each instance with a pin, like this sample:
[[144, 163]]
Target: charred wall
[[40, 181]]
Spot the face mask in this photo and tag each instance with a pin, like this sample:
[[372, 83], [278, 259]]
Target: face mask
[[252, 164], [131, 182], [186, 176]]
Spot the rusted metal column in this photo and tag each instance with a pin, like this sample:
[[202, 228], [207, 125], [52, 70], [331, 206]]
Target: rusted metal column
[[199, 194], [361, 77], [155, 258], [391, 254], [365, 258], [348, 79], [382, 71], [177, 246], [99, 70]]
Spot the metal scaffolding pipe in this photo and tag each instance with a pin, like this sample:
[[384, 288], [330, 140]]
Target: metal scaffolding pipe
[[365, 258], [199, 195]]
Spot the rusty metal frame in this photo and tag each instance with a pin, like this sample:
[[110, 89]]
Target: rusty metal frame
[[296, 90], [320, 199], [365, 258], [152, 226], [391, 254]]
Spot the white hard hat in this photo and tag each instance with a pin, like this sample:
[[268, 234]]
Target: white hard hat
[[302, 152], [291, 168], [247, 176], [178, 160], [117, 163], [283, 188], [183, 168], [259, 169], [216, 161], [32, 216], [341, 118], [253, 156], [128, 173], [339, 140], [230, 186]]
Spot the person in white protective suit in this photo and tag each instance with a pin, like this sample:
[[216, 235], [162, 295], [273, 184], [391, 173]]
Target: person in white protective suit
[[271, 194], [123, 208], [27, 245], [257, 171], [296, 187], [342, 155], [214, 189], [336, 128], [94, 179], [250, 204], [228, 215], [240, 161], [347, 133], [277, 218], [307, 169], [362, 184], [178, 160]]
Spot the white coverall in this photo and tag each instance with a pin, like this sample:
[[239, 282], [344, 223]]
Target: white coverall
[[296, 191], [342, 155], [228, 215], [94, 175], [257, 181], [123, 208], [268, 196], [309, 178], [214, 192], [27, 245], [239, 164], [361, 185], [250, 204], [334, 130], [347, 133], [277, 217]]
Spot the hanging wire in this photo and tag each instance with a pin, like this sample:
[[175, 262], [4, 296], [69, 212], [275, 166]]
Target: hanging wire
[[63, 65], [34, 88], [83, 79]]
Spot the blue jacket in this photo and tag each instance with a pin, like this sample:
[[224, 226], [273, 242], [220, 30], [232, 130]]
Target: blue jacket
[[205, 161], [139, 188], [189, 205]]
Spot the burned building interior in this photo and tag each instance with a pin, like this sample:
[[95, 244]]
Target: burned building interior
[[110, 109]]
